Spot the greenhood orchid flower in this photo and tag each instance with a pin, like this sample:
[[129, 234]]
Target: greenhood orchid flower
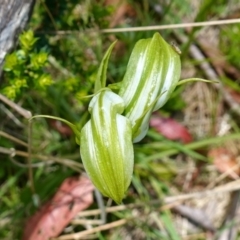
[[152, 74], [116, 121], [106, 146]]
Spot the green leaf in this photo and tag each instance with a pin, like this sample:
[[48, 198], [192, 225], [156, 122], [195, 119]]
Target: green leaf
[[38, 60], [102, 71], [168, 222], [11, 62], [196, 80], [44, 80], [27, 40]]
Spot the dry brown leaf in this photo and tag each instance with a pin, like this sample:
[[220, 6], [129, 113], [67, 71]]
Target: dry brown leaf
[[170, 128], [225, 162], [73, 196]]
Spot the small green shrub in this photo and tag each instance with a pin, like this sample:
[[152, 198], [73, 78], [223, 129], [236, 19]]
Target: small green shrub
[[24, 68]]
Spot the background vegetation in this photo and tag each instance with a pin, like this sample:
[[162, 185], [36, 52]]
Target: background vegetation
[[55, 65]]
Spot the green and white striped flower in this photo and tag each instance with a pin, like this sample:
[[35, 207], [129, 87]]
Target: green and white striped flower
[[152, 74], [106, 146], [106, 139]]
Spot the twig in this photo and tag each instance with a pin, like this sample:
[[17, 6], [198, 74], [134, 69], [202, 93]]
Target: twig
[[70, 163], [229, 187], [101, 206], [49, 14], [86, 222], [108, 210], [25, 113], [16, 140], [172, 26], [34, 165], [29, 160], [76, 236], [152, 28], [169, 201], [11, 115]]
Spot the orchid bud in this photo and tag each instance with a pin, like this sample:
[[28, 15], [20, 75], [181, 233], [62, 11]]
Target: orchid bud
[[106, 146], [152, 74]]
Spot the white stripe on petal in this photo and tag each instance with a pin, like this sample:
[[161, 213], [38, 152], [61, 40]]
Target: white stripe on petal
[[106, 146], [152, 74]]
